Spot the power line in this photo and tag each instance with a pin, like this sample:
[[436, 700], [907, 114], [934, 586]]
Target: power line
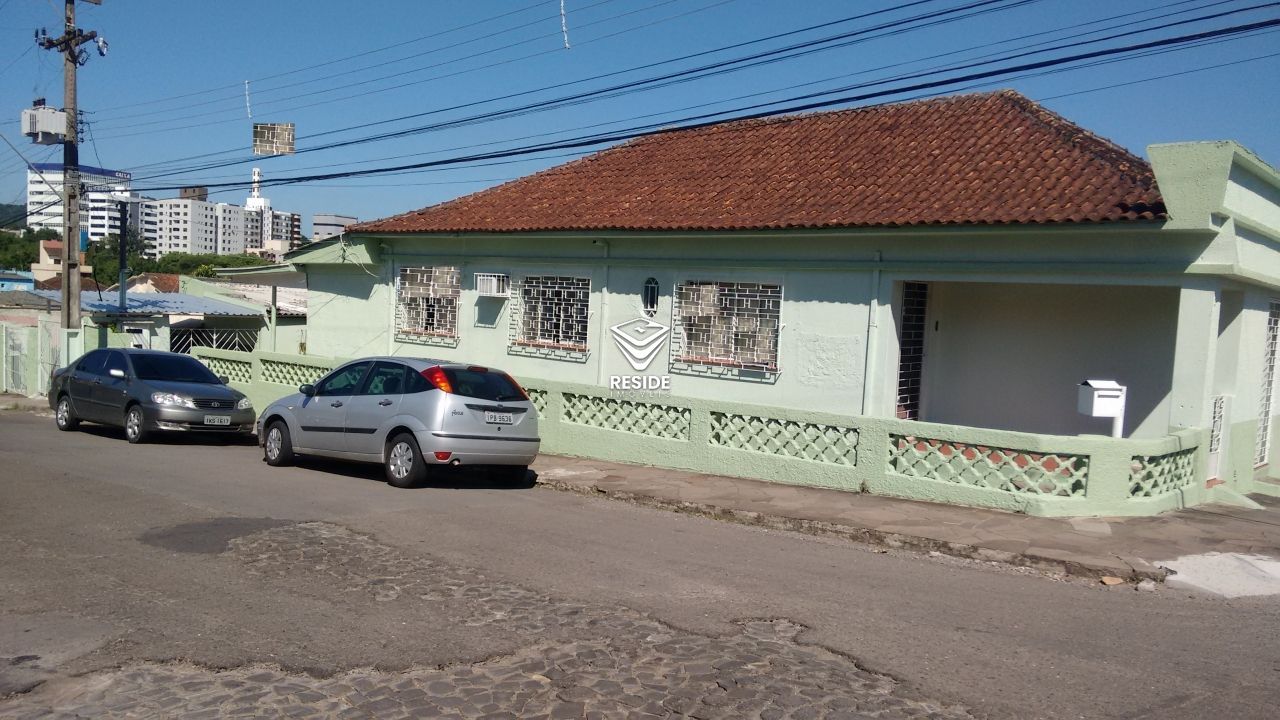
[[236, 98], [516, 111], [637, 68], [694, 123], [335, 61], [861, 34]]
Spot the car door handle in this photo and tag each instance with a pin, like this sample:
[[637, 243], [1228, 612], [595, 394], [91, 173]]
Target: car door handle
[[97, 381], [336, 403], [384, 402]]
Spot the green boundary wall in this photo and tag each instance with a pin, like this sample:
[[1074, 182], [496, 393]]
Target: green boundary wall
[[1019, 472]]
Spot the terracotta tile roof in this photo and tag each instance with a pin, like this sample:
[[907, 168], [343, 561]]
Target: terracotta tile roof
[[162, 282], [990, 158], [55, 283]]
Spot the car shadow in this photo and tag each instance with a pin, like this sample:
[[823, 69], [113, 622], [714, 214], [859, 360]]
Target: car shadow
[[170, 438], [442, 477]]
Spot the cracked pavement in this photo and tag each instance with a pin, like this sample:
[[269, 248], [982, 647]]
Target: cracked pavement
[[186, 579], [587, 661]]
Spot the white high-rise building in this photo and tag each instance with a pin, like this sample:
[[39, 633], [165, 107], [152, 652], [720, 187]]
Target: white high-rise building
[[280, 231], [186, 225], [327, 225], [233, 229], [98, 214]]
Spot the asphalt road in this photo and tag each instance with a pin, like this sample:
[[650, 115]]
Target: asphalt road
[[118, 561]]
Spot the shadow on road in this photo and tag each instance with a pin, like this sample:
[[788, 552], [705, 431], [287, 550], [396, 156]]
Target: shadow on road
[[453, 478], [170, 438]]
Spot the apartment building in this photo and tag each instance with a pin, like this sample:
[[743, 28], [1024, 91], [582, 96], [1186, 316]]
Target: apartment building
[[98, 213]]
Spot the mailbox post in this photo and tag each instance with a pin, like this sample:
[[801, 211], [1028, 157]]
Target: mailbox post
[[1104, 398]]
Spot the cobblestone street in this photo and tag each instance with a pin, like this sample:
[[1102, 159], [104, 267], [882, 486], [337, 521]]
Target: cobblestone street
[[582, 661]]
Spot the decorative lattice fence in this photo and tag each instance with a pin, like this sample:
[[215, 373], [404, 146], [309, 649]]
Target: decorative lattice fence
[[994, 468]]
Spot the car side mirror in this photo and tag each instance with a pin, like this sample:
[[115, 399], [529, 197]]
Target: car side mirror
[[307, 389], [224, 379], [116, 373]]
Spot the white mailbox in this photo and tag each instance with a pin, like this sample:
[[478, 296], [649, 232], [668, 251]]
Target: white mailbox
[[1105, 399]]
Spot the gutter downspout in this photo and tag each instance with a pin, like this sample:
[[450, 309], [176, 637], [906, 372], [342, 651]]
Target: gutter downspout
[[602, 331], [873, 325], [274, 318]]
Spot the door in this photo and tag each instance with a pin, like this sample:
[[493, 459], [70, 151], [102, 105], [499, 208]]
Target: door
[[82, 381], [112, 393], [376, 402], [322, 417]]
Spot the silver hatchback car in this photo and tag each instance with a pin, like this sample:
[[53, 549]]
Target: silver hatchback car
[[410, 415]]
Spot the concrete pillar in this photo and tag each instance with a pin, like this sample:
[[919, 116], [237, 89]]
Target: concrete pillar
[[1195, 350]]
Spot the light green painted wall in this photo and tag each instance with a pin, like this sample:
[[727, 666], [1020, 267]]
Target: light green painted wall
[[1011, 471]]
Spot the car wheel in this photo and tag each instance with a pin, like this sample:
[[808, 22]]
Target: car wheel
[[135, 425], [64, 416], [404, 464], [277, 447]]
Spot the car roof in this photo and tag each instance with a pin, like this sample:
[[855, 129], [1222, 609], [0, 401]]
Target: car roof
[[418, 363]]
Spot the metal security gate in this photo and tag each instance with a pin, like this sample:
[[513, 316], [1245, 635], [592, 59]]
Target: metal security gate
[[50, 344], [181, 340], [1263, 444], [15, 350], [915, 304]]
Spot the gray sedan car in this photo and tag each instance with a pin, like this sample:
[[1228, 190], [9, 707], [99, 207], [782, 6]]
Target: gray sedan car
[[145, 391], [408, 414]]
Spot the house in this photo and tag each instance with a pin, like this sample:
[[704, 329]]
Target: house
[[34, 343], [151, 283], [16, 280], [49, 265], [903, 299]]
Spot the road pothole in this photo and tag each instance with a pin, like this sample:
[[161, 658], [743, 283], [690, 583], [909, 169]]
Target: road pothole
[[207, 537]]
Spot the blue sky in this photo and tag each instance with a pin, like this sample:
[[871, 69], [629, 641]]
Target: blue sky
[[172, 87]]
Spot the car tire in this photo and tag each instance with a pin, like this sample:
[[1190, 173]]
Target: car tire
[[64, 416], [404, 464], [277, 446], [135, 425]]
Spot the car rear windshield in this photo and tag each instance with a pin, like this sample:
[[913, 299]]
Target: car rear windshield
[[175, 368], [483, 385]]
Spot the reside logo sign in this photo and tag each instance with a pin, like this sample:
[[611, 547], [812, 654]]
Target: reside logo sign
[[640, 340]]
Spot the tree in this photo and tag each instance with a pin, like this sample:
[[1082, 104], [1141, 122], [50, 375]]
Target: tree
[[104, 257], [20, 252], [205, 271]]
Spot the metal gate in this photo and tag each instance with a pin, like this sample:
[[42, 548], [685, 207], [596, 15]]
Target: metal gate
[[50, 344], [15, 350], [239, 339]]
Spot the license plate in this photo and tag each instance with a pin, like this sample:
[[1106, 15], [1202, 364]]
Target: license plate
[[497, 418], [217, 420]]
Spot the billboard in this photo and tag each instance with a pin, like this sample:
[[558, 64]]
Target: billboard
[[273, 138]]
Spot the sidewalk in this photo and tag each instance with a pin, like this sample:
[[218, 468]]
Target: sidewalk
[[1130, 548]]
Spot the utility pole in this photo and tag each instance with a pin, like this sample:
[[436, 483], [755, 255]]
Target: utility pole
[[73, 57]]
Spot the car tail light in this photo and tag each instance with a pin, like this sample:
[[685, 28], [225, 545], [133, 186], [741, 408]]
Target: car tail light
[[443, 455], [515, 384], [435, 375]]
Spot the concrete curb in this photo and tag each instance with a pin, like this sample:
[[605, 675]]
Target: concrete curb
[[1133, 570]]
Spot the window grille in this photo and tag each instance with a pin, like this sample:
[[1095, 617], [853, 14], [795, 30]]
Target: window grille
[[915, 300], [728, 324], [649, 297], [553, 312], [1263, 444], [427, 301]]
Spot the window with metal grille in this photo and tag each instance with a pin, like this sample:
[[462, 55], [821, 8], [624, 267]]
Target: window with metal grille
[[427, 301], [915, 300], [649, 297], [1263, 445], [553, 312], [731, 324]]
